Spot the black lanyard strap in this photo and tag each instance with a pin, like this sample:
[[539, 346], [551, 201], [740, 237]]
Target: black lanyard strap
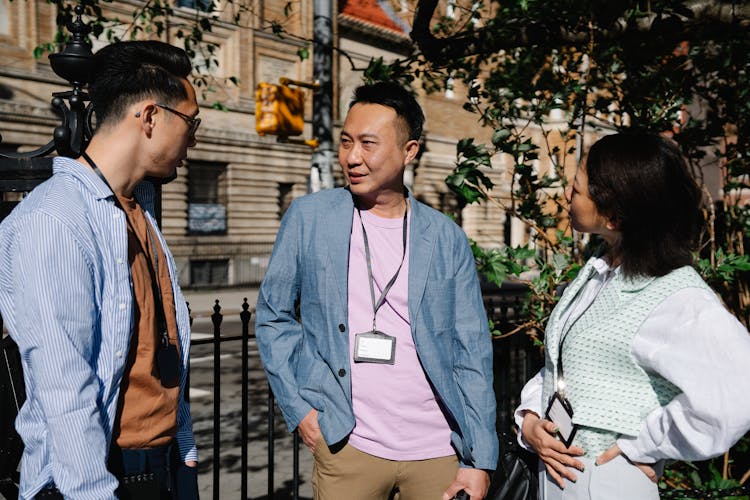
[[377, 304], [153, 266]]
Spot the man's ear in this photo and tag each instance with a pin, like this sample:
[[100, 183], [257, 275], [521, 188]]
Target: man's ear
[[411, 148], [145, 116]]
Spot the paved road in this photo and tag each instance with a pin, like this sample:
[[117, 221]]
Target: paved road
[[202, 396]]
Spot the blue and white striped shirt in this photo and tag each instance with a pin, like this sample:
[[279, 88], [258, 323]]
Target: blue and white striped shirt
[[67, 299]]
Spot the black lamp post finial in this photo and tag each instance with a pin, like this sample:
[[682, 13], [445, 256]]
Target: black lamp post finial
[[74, 62]]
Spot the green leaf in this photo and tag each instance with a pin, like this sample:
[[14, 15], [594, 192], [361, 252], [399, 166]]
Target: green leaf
[[500, 136], [560, 262]]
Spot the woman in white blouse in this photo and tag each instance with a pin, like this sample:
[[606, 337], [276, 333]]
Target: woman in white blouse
[[643, 362]]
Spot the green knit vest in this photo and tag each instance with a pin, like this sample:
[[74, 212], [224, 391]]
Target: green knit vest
[[610, 394]]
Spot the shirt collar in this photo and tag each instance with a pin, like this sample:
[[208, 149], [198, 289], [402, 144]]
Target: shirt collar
[[627, 284], [601, 266], [82, 173]]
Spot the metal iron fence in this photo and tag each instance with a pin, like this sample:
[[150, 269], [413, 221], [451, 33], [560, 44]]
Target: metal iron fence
[[216, 340], [515, 360]]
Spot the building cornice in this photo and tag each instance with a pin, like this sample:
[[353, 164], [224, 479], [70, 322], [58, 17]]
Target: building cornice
[[371, 33]]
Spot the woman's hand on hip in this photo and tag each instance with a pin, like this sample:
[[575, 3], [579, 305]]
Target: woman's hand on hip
[[614, 450], [540, 434]]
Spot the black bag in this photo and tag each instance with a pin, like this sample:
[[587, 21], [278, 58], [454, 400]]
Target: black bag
[[516, 477], [12, 397]]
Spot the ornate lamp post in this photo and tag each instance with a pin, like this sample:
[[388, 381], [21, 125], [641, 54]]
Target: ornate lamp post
[[23, 171]]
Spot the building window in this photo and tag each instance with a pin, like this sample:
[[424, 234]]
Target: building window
[[475, 15], [207, 212], [4, 17], [450, 9], [285, 197], [214, 272], [201, 5], [450, 87]]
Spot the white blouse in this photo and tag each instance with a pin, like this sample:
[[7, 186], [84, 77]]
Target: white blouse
[[691, 340]]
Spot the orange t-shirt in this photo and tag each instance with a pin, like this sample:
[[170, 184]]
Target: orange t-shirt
[[147, 413]]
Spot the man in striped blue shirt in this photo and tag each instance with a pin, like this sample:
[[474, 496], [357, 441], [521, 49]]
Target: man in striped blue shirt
[[88, 290]]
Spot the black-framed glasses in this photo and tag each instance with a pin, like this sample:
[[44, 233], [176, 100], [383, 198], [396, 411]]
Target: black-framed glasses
[[193, 123]]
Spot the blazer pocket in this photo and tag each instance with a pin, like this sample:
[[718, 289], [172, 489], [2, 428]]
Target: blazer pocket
[[310, 384]]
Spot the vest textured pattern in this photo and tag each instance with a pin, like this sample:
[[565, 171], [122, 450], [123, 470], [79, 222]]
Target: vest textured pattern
[[610, 394]]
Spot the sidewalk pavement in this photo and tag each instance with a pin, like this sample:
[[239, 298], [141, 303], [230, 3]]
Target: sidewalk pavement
[[230, 299]]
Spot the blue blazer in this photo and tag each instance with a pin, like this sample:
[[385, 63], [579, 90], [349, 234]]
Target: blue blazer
[[307, 361]]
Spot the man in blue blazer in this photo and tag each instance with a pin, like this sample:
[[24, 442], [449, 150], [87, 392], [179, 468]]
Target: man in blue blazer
[[371, 326]]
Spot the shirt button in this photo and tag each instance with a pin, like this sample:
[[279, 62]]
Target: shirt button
[[342, 372], [115, 216], [122, 306], [119, 260], [342, 328], [118, 354]]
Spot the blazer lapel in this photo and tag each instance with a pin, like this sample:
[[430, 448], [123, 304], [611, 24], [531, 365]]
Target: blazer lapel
[[421, 247], [336, 236]]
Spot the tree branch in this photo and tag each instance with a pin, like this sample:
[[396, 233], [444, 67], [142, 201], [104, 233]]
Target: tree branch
[[487, 39], [521, 31]]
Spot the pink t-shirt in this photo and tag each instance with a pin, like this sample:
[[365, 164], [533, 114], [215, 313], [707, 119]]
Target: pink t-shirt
[[396, 412]]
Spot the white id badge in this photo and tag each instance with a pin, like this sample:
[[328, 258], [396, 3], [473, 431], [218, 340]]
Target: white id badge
[[374, 347], [560, 413]]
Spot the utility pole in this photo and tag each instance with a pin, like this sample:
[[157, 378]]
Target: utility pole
[[321, 170]]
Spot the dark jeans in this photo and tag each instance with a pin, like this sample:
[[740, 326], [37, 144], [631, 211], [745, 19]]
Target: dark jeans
[[147, 474]]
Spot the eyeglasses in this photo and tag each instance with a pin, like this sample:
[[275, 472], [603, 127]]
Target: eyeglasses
[[193, 123]]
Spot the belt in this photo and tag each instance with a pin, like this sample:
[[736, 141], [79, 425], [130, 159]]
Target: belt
[[129, 461]]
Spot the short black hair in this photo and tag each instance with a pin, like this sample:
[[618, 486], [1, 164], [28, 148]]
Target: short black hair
[[126, 72], [396, 97], [642, 183]]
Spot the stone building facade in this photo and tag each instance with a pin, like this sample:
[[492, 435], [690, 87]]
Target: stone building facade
[[222, 212]]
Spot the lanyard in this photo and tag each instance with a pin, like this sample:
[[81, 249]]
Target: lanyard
[[154, 263], [376, 304]]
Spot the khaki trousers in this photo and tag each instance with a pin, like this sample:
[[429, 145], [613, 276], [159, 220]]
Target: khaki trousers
[[349, 474]]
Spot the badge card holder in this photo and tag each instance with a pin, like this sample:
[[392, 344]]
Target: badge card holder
[[374, 347], [560, 413], [168, 362]]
